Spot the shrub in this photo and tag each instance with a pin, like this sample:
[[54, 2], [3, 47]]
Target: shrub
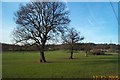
[[97, 52]]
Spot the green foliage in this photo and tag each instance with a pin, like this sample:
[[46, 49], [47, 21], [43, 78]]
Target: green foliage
[[26, 65]]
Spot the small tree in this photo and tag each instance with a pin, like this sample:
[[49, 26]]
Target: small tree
[[87, 47], [71, 38], [39, 22]]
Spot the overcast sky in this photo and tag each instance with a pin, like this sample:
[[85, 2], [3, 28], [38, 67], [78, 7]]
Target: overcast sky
[[95, 20]]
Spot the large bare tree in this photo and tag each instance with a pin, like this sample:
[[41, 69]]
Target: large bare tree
[[71, 38], [39, 22]]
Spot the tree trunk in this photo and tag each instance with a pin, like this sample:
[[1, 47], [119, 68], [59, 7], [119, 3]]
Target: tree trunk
[[71, 55], [86, 53], [42, 57]]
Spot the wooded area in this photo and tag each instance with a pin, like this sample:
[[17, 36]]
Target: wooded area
[[53, 47]]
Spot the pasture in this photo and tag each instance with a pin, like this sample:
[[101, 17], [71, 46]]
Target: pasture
[[26, 65]]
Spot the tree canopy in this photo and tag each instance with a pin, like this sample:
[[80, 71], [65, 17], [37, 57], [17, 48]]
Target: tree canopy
[[39, 22], [71, 37]]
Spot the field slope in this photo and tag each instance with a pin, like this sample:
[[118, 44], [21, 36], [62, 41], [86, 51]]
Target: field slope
[[26, 65]]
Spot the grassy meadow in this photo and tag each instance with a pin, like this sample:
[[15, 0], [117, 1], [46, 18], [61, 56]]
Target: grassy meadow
[[26, 65]]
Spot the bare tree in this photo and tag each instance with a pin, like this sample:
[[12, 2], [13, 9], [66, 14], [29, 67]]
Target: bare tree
[[71, 38], [39, 22]]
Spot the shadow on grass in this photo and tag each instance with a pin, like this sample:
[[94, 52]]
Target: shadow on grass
[[38, 62], [59, 60], [100, 62]]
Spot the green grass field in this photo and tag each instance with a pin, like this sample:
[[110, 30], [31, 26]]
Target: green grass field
[[26, 65]]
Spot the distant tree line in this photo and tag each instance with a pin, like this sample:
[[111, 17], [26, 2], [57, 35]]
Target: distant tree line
[[53, 47]]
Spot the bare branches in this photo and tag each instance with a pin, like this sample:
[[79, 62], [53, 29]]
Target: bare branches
[[38, 20], [71, 37]]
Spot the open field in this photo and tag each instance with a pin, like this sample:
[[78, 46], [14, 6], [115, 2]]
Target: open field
[[26, 65]]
